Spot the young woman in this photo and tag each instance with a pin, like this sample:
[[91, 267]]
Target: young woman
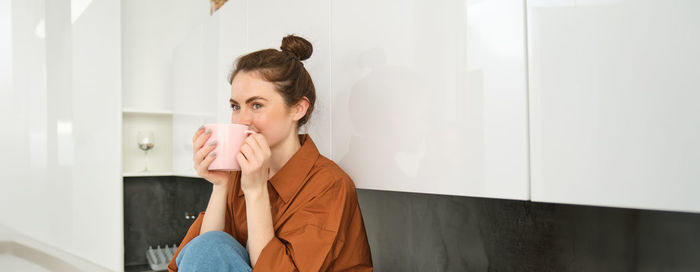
[[292, 208]]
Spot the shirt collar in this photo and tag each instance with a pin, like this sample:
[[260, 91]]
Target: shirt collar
[[289, 179]]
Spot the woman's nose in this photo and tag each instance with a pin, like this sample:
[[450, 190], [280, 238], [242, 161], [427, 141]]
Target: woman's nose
[[244, 118]]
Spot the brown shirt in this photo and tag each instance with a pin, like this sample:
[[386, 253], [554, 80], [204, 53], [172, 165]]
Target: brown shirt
[[315, 214]]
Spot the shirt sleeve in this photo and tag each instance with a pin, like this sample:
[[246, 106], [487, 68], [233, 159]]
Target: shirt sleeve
[[305, 241], [191, 234]]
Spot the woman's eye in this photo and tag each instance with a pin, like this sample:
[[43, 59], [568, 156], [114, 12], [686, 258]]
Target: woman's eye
[[255, 106], [235, 107]]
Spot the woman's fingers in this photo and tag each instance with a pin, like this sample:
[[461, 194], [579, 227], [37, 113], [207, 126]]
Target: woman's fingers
[[199, 156], [262, 143], [241, 160], [247, 152], [254, 146], [205, 150], [203, 166], [259, 146], [250, 140], [199, 139], [199, 131]]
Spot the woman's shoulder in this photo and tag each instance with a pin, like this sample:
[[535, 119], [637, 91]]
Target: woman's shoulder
[[328, 172]]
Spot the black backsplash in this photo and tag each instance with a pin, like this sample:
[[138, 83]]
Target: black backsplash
[[423, 232], [154, 212]]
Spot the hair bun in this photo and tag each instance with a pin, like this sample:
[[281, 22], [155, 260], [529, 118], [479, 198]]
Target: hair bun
[[298, 46]]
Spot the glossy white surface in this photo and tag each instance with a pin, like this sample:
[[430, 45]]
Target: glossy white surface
[[614, 103], [231, 20], [430, 96], [201, 64], [268, 21], [238, 28], [60, 170], [151, 30], [151, 36], [187, 82]]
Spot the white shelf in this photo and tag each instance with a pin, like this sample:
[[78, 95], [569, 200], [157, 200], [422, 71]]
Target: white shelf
[[162, 112], [159, 159], [205, 114], [146, 174], [135, 111], [187, 175], [158, 174]]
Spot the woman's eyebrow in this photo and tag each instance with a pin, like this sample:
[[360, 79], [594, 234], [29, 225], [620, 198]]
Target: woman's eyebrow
[[249, 99]]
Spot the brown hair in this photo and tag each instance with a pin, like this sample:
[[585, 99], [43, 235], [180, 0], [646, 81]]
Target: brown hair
[[284, 69]]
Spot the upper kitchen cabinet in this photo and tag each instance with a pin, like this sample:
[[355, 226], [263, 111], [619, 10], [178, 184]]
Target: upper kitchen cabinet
[[189, 99], [308, 19], [188, 95], [231, 18], [150, 35], [430, 96], [614, 103], [201, 64]]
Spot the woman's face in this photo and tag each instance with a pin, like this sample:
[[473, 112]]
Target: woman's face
[[256, 103]]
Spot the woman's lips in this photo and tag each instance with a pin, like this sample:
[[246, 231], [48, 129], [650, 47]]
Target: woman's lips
[[253, 128]]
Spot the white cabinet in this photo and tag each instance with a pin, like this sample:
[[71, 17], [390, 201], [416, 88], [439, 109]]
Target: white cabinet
[[191, 102], [60, 106], [430, 96], [201, 64], [411, 96], [150, 35], [614, 103], [204, 60], [269, 21]]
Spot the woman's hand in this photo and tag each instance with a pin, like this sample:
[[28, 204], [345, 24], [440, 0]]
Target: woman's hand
[[254, 159], [202, 159]]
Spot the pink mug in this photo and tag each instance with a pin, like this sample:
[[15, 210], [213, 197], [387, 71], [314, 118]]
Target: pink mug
[[230, 138]]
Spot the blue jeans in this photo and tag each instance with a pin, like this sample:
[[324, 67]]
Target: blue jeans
[[213, 251]]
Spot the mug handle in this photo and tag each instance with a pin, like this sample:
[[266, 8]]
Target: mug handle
[[249, 132]]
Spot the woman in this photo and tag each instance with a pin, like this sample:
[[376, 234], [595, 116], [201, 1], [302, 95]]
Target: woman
[[306, 216]]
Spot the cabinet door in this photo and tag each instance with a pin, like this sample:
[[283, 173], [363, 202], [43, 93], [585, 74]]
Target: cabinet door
[[187, 84], [191, 99], [309, 19], [614, 103], [201, 64], [231, 18], [430, 96]]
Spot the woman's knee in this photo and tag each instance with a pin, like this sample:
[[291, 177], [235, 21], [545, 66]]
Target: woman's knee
[[212, 238], [213, 246]]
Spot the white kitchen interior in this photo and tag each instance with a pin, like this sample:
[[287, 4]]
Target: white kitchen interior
[[585, 102]]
